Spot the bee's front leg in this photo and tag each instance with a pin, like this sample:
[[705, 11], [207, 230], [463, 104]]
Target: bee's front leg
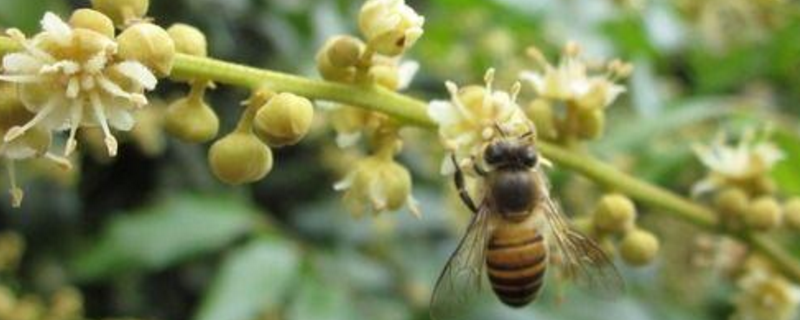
[[461, 187]]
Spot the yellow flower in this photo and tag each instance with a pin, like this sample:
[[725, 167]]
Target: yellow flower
[[765, 295], [473, 116], [71, 77], [571, 81]]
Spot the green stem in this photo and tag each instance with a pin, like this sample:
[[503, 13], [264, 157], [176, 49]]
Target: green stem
[[414, 112]]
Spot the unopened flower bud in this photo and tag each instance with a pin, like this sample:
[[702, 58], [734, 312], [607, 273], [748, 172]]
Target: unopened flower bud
[[333, 73], [763, 185], [148, 44], [731, 203], [122, 12], [591, 123], [615, 213], [639, 247], [791, 212], [191, 120], [284, 120], [92, 20], [390, 26], [763, 213], [240, 158], [540, 111], [343, 51], [188, 39]]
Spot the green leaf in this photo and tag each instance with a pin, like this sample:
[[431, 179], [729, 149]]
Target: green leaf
[[321, 300], [787, 172], [252, 280], [164, 234]]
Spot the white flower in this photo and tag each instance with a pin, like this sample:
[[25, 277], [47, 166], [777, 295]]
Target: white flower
[[764, 295], [390, 26], [570, 80], [71, 77], [377, 183], [750, 158], [473, 116]]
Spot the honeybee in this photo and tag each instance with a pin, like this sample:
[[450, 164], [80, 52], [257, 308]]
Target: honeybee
[[512, 232]]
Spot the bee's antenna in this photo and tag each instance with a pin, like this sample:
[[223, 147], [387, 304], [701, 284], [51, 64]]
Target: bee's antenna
[[499, 129]]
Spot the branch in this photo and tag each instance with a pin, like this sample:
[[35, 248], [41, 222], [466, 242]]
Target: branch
[[414, 112]]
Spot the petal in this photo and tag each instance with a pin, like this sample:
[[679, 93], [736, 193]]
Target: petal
[[21, 63], [119, 115], [443, 112], [137, 72], [57, 28], [406, 71]]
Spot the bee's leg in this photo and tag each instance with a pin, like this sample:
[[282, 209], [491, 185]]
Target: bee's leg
[[477, 167], [462, 189]]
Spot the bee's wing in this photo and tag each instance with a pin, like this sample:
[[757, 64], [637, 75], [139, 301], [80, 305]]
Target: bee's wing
[[582, 260], [460, 280]]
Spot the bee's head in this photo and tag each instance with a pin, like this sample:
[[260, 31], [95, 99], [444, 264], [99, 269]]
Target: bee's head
[[511, 153]]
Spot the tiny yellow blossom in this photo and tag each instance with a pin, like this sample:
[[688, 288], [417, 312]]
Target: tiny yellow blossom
[[377, 183], [71, 77]]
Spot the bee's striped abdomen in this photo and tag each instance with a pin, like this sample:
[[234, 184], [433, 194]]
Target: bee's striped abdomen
[[516, 261]]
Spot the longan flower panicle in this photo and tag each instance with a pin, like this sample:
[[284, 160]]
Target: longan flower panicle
[[473, 115], [739, 165], [571, 80], [70, 76]]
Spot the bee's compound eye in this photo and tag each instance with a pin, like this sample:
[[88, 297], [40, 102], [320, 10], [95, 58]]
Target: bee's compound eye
[[493, 154], [530, 157]]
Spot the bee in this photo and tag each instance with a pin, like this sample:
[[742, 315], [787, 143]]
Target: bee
[[516, 231]]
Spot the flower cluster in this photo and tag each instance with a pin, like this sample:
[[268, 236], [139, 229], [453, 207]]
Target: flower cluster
[[764, 294], [584, 89], [79, 73], [377, 182], [740, 184]]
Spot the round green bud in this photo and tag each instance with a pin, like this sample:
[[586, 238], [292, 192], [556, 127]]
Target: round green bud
[[540, 111], [333, 73], [591, 123], [148, 44], [344, 51], [615, 213], [92, 20], [188, 39], [639, 247], [122, 12], [791, 212], [763, 185], [191, 120], [731, 203], [763, 213], [390, 27], [284, 120], [240, 158]]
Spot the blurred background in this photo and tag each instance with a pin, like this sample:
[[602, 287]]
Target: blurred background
[[152, 235]]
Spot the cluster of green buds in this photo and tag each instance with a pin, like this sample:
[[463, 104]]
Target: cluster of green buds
[[90, 71], [740, 186], [613, 222], [764, 294], [376, 183], [584, 89]]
